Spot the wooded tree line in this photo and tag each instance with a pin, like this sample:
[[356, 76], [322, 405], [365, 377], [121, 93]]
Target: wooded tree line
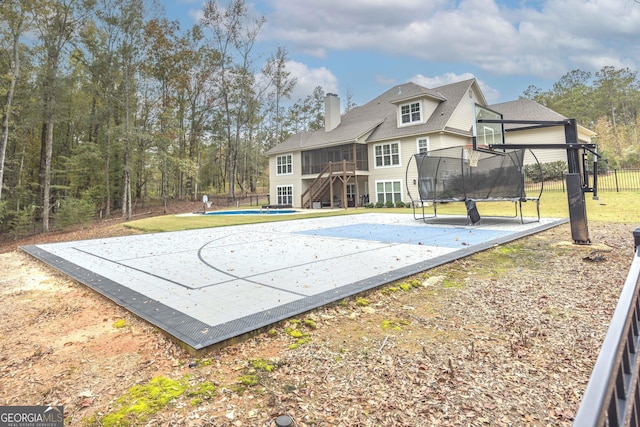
[[107, 103], [607, 102]]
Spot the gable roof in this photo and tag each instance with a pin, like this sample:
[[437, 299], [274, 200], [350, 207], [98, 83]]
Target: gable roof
[[449, 95], [527, 109], [378, 118]]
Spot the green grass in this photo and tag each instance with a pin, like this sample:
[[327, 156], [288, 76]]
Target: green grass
[[612, 207], [190, 222]]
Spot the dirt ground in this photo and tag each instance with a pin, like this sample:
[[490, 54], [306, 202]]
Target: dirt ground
[[507, 337]]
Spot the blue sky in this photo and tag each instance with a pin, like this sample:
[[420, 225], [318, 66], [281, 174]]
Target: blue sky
[[365, 47]]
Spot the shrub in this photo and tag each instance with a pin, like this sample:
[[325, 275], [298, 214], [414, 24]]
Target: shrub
[[379, 204], [3, 211], [399, 204], [545, 171], [21, 222], [389, 204], [73, 212]]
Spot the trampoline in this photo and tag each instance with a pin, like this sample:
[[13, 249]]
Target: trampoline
[[461, 174]]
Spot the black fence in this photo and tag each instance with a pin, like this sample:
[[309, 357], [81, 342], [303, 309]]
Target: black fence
[[615, 180], [249, 199], [612, 397]]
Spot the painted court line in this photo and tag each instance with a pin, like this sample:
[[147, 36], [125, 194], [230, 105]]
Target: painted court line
[[206, 286]]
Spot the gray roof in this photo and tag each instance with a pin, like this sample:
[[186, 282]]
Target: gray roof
[[379, 118], [525, 109], [450, 98]]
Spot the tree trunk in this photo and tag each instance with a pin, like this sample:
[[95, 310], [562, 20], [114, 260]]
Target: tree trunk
[[7, 109], [43, 161], [107, 167], [5, 129], [46, 197], [6, 113], [126, 178]]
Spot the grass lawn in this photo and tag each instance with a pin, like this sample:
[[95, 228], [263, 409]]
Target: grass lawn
[[189, 222], [612, 207]]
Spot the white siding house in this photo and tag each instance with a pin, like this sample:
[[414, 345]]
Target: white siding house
[[363, 155]]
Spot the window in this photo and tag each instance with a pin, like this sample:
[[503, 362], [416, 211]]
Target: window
[[284, 165], [387, 154], [410, 113], [423, 145], [285, 194], [388, 191], [351, 191]]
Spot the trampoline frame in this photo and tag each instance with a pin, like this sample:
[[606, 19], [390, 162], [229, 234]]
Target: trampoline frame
[[418, 204]]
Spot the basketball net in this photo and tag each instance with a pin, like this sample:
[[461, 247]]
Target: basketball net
[[474, 156]]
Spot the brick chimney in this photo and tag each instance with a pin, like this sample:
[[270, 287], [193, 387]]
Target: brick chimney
[[331, 112]]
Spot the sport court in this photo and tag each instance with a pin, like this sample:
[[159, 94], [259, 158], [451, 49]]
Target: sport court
[[206, 286]]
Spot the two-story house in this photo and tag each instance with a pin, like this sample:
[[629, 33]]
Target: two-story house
[[362, 156]]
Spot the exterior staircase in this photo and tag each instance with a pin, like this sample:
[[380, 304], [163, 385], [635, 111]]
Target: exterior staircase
[[324, 182]]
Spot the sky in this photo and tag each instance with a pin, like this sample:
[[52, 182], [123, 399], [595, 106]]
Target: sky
[[365, 47]]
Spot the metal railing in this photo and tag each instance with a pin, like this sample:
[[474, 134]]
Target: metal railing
[[613, 180], [612, 397]]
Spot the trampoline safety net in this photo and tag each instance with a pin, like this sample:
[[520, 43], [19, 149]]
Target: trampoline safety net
[[459, 174]]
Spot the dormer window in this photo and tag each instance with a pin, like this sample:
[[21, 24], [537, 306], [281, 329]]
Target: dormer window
[[410, 113]]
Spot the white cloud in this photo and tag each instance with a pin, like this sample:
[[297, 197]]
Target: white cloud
[[490, 93], [196, 14], [545, 41], [309, 78], [444, 79]]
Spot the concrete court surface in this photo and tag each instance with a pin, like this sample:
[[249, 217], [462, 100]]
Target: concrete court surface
[[209, 285]]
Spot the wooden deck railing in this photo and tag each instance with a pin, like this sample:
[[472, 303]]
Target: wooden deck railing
[[325, 178]]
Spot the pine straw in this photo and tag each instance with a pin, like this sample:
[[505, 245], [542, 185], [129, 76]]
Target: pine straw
[[512, 343], [507, 337]]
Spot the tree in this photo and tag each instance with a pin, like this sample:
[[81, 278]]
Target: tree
[[532, 92], [281, 85], [233, 35], [14, 14], [616, 95], [349, 102], [100, 38], [161, 39], [56, 21], [307, 114], [131, 24], [617, 92]]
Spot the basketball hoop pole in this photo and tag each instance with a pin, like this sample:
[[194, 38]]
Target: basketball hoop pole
[[576, 184], [575, 187]]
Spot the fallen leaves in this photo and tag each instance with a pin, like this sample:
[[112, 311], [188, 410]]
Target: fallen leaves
[[512, 343]]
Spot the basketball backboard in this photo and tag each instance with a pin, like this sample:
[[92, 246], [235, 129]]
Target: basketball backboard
[[486, 134]]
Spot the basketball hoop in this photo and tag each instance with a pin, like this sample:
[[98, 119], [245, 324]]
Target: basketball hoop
[[473, 156]]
